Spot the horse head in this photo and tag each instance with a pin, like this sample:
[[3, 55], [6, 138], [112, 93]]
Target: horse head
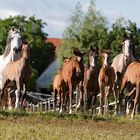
[[15, 38], [14, 42], [105, 57], [77, 68], [127, 49], [78, 54], [92, 58], [26, 51]]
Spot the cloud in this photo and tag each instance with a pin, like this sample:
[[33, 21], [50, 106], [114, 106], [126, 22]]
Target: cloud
[[4, 13], [111, 15]]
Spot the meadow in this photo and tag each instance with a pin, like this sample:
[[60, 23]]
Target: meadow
[[51, 126]]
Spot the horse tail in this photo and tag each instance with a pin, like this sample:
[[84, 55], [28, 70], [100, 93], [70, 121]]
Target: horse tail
[[118, 79]]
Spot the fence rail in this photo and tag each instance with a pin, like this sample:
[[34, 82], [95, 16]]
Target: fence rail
[[45, 102]]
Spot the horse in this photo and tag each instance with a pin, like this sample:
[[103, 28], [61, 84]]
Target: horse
[[91, 72], [132, 75], [106, 81], [72, 73], [12, 50], [19, 72], [120, 63], [57, 87], [78, 55]]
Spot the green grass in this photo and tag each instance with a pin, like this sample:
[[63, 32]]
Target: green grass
[[52, 126]]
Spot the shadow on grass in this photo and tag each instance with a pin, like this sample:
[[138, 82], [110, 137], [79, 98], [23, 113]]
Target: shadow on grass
[[71, 117], [13, 113]]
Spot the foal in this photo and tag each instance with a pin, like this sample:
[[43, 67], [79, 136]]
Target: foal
[[18, 71], [80, 79], [71, 76], [132, 75], [106, 81], [57, 87], [91, 86]]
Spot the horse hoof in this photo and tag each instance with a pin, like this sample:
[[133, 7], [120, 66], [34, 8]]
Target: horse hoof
[[70, 112], [10, 108], [60, 112], [78, 106]]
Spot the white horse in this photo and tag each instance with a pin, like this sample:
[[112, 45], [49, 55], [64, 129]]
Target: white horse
[[120, 63], [11, 53]]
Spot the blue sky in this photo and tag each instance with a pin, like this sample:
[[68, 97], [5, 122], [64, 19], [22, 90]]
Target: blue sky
[[56, 13]]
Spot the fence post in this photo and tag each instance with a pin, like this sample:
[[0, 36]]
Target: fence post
[[33, 108], [49, 105], [46, 106], [41, 107]]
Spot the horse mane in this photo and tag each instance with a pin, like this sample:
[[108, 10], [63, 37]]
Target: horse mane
[[8, 46]]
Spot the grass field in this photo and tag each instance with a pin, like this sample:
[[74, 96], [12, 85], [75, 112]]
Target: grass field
[[50, 126]]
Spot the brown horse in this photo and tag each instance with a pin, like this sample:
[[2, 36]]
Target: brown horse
[[106, 81], [91, 86], [19, 72], [80, 79], [120, 63], [57, 87], [72, 74], [132, 75]]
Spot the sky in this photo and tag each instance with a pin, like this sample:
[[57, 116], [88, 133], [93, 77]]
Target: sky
[[56, 13]]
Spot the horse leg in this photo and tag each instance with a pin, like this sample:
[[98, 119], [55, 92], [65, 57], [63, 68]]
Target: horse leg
[[23, 99], [124, 80], [81, 94], [60, 101], [70, 97], [136, 100], [55, 98], [101, 99], [17, 93], [93, 102], [9, 100], [116, 93], [128, 100], [2, 91], [107, 93], [86, 99]]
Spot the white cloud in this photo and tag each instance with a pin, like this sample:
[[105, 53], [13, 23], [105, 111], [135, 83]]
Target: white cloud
[[4, 13], [111, 15]]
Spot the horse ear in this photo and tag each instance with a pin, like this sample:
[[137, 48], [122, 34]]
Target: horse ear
[[13, 28]]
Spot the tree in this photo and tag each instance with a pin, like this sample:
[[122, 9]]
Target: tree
[[70, 33], [90, 29]]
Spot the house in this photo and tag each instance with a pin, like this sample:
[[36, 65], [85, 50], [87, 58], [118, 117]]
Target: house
[[46, 78]]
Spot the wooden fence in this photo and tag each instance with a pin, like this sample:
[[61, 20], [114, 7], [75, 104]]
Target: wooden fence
[[45, 102]]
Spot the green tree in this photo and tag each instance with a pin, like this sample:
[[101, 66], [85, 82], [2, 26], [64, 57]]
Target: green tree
[[73, 29]]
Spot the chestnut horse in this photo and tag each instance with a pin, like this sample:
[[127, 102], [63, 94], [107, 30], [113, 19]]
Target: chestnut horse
[[91, 86], [80, 79], [19, 72], [57, 87], [106, 81], [72, 74], [120, 63], [132, 75]]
